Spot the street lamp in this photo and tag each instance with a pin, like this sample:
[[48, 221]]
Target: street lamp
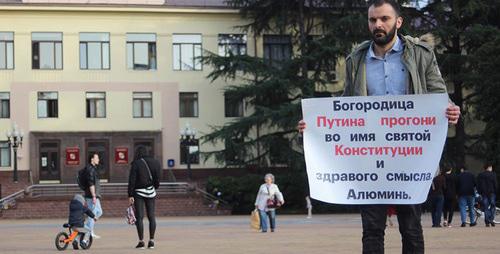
[[187, 140], [15, 140]]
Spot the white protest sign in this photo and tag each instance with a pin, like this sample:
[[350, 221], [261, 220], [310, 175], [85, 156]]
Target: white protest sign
[[374, 149]]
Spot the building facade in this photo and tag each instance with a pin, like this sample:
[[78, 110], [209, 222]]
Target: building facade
[[79, 77]]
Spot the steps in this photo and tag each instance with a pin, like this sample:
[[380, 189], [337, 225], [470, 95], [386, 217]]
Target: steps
[[52, 201], [58, 207]]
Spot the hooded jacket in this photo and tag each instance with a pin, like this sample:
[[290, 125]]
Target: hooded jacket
[[419, 59], [77, 209]]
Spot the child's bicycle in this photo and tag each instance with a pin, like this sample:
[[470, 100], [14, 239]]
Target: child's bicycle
[[63, 239]]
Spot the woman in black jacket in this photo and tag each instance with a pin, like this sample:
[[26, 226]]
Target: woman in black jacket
[[143, 181]]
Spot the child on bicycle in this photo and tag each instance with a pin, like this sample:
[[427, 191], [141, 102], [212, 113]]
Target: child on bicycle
[[77, 210]]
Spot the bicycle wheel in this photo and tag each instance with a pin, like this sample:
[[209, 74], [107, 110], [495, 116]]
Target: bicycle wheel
[[87, 245], [60, 244]]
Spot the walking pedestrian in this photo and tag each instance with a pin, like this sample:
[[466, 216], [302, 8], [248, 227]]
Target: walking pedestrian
[[487, 187], [437, 196], [450, 197], [93, 192], [268, 193], [466, 185]]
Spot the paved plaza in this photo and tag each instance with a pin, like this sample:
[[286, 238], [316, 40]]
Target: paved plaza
[[231, 234]]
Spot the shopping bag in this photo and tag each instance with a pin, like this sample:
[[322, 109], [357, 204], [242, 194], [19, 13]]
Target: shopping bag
[[130, 215], [255, 220]]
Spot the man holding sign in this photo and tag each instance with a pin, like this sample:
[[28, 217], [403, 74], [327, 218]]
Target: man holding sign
[[381, 150]]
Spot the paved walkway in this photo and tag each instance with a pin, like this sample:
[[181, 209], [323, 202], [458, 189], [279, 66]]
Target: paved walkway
[[231, 235]]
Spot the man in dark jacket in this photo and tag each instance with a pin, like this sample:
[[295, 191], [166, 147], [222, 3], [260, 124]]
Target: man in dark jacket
[[487, 188], [465, 189], [76, 219], [93, 192]]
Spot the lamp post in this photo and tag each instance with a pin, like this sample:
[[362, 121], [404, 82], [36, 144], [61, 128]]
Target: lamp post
[[15, 140], [187, 138]]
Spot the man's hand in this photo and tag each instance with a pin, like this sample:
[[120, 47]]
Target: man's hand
[[131, 201], [94, 200], [301, 126], [452, 113]]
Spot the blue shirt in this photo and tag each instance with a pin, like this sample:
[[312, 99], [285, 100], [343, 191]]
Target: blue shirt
[[386, 75]]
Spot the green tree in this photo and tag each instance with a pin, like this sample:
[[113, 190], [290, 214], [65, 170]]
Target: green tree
[[320, 32], [461, 28]]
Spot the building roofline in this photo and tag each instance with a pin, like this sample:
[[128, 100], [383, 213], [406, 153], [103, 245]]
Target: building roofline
[[116, 8]]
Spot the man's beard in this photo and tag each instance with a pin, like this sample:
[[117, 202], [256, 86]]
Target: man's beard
[[384, 39]]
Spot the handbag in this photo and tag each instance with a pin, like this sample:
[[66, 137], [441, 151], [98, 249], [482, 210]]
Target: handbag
[[272, 201], [130, 215]]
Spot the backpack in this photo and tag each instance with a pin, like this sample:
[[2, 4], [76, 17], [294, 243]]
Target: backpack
[[81, 178]]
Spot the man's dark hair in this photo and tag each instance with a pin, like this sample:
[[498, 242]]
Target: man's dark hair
[[141, 152], [378, 3], [91, 156], [487, 165]]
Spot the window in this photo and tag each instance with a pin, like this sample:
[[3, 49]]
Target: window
[[277, 48], [143, 104], [47, 104], [94, 51], [141, 51], [6, 50], [96, 105], [47, 50], [233, 107], [4, 105], [187, 52], [4, 154], [193, 147], [234, 43], [188, 104]]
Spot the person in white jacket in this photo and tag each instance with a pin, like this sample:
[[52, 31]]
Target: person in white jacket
[[267, 191]]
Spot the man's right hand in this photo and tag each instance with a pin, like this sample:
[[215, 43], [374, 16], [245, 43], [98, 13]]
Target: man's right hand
[[131, 200], [301, 126], [94, 200]]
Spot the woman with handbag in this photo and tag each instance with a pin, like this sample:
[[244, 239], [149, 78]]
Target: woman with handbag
[[143, 181], [268, 199]]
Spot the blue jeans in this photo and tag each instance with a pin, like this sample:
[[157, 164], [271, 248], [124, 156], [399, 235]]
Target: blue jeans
[[463, 202], [489, 208], [263, 219], [437, 210], [96, 209]]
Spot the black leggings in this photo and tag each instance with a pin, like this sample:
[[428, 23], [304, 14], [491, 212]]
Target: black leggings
[[449, 208], [139, 204]]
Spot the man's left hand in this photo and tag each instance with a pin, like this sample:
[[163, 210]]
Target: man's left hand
[[452, 113]]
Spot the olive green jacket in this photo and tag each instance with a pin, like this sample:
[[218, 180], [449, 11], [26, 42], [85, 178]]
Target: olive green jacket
[[419, 59]]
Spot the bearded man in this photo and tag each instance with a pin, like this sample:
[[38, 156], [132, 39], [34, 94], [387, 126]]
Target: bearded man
[[392, 64]]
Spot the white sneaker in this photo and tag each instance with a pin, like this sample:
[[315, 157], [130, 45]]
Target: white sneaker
[[96, 236]]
